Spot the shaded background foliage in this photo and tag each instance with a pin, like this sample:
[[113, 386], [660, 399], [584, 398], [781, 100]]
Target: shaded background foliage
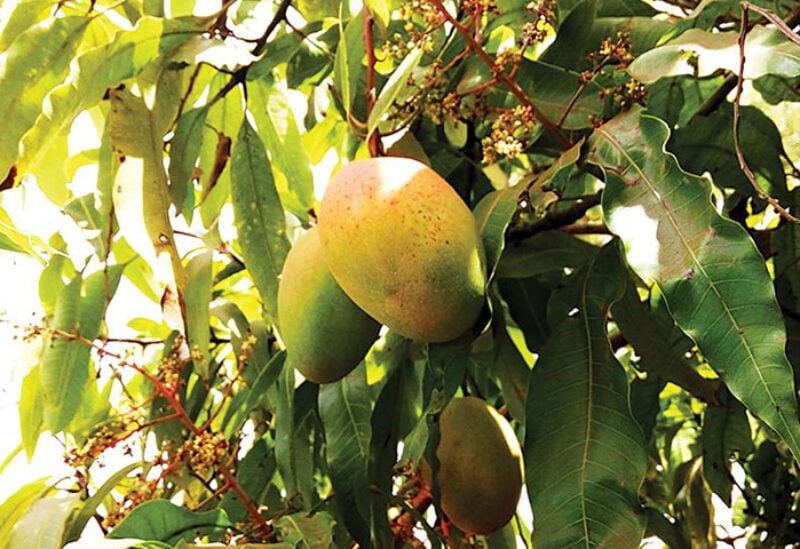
[[642, 312]]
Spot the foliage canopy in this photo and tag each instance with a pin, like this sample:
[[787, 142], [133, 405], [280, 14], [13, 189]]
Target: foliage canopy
[[641, 322]]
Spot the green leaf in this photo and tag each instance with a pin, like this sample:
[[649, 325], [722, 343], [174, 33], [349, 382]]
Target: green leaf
[[255, 473], [544, 252], [161, 520], [345, 410], [305, 531], [551, 89], [713, 278], [527, 302], [12, 509], [726, 429], [25, 15], [701, 53], [34, 64], [89, 507], [775, 89], [236, 415], [706, 145], [571, 45], [64, 362], [396, 88], [42, 525], [184, 151], [197, 297], [662, 350], [259, 215], [91, 75], [278, 129], [31, 411], [492, 215], [585, 455], [295, 460], [347, 64]]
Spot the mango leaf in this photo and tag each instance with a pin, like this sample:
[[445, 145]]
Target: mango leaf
[[662, 351], [347, 64], [701, 53], [307, 531], [713, 278], [395, 90], [585, 455], [254, 472], [527, 303], [31, 410], [278, 129], [237, 413], [43, 524], [91, 75], [706, 145], [493, 215], [89, 507], [551, 88], [197, 296], [184, 151], [25, 15], [259, 215], [571, 45], [775, 89], [726, 429], [34, 64], [295, 460], [345, 409], [12, 509], [543, 252], [161, 520]]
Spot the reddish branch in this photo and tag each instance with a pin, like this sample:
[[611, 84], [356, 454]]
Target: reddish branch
[[501, 76]]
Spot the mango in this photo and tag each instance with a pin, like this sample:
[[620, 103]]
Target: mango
[[480, 466], [326, 335], [404, 246]]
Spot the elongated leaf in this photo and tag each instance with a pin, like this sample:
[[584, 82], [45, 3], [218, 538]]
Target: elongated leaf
[[31, 410], [347, 64], [236, 415], [161, 520], [34, 64], [197, 297], [701, 53], [43, 524], [395, 89], [492, 215], [278, 129], [307, 531], [662, 351], [345, 410], [259, 215], [726, 430], [544, 252], [64, 362], [25, 15], [15, 507], [89, 507], [713, 277], [184, 151], [585, 455], [92, 74]]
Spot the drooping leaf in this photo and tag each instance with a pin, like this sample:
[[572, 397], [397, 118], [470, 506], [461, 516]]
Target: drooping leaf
[[89, 507], [527, 302], [25, 15], [255, 473], [17, 505], [347, 65], [259, 215], [492, 215], [307, 531], [701, 53], [345, 410], [31, 410], [236, 414], [585, 455], [543, 252], [184, 151], [726, 430], [661, 346], [42, 526], [713, 278], [571, 45], [91, 75], [35, 63], [395, 90], [278, 129], [197, 297], [161, 520]]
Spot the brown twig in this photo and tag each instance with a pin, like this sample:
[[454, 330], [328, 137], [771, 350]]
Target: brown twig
[[554, 220], [373, 139], [500, 74], [736, 103]]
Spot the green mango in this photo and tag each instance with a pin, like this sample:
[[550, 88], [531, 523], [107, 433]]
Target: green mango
[[404, 246], [326, 335], [480, 466]]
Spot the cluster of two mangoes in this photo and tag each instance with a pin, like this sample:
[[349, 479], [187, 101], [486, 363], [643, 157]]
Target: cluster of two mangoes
[[396, 245]]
